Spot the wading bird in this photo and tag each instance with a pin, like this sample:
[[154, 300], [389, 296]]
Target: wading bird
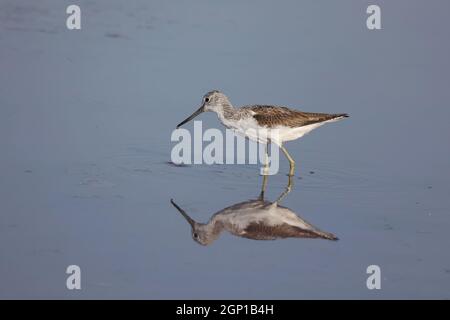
[[264, 123], [255, 219]]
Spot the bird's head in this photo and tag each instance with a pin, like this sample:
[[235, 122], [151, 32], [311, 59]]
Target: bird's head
[[201, 232], [214, 101]]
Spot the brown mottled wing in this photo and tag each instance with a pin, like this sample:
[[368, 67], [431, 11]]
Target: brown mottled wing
[[260, 231], [272, 116]]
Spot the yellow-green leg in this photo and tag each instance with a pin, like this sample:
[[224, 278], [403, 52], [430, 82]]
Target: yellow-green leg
[[291, 161], [265, 173], [286, 190], [263, 187]]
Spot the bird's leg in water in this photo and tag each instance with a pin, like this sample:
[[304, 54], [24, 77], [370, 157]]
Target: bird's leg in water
[[265, 172], [291, 161], [286, 191], [263, 187]]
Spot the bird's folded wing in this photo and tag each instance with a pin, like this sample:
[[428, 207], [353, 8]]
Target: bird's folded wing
[[260, 231], [273, 116]]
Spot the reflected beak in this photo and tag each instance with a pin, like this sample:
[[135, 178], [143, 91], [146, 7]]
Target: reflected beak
[[183, 213], [196, 113]]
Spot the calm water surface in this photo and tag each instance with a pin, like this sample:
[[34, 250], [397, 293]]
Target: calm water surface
[[85, 125]]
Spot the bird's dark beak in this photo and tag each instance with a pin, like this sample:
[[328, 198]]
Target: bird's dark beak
[[183, 213], [196, 113]]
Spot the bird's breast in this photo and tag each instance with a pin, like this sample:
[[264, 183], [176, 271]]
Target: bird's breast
[[247, 127]]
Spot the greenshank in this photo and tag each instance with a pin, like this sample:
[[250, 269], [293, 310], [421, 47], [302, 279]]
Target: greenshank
[[256, 219], [264, 123]]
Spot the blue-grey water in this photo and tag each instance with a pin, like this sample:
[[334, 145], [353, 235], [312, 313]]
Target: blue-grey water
[[86, 118]]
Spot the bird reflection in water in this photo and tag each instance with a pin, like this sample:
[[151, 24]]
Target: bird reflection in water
[[255, 219]]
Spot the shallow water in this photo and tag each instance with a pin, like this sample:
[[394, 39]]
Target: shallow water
[[85, 125]]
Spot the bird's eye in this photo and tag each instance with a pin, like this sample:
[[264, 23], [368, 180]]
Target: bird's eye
[[206, 99], [195, 235]]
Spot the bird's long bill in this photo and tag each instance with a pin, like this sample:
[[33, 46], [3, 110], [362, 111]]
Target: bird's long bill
[[183, 213], [192, 116]]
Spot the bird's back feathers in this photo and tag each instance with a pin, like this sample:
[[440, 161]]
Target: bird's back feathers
[[273, 116]]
